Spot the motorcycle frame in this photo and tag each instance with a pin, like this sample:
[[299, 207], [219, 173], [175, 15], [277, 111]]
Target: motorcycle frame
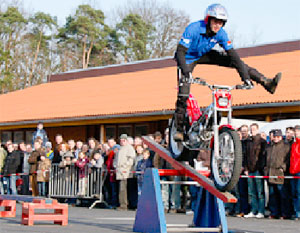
[[213, 109], [217, 109]]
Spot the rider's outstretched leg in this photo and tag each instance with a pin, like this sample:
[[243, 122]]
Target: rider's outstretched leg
[[183, 95], [269, 84]]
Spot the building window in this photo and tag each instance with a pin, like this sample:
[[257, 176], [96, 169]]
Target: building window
[[18, 136], [124, 129], [110, 132], [28, 138], [141, 130], [6, 136]]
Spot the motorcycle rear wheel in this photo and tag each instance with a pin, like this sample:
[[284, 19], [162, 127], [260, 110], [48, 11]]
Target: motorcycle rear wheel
[[177, 149]]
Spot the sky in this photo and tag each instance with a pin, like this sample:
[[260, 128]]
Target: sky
[[250, 21]]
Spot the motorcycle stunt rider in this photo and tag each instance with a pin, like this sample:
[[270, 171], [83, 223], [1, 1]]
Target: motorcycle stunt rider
[[198, 46]]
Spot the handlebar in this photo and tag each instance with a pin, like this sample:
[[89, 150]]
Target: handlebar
[[203, 82]]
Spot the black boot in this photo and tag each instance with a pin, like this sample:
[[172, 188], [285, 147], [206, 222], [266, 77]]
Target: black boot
[[179, 119], [269, 84], [183, 95]]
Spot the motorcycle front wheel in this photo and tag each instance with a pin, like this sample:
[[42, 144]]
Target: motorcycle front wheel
[[226, 167]]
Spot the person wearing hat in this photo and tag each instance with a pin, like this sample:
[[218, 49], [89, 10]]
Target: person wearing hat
[[124, 164], [277, 154], [49, 151], [206, 42], [295, 171], [66, 155], [67, 159], [271, 136]]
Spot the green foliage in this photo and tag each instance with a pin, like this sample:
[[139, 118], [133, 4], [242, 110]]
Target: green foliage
[[12, 24], [134, 35], [87, 35], [33, 45], [42, 21], [39, 37]]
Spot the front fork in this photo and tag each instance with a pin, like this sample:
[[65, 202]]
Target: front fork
[[216, 135], [216, 128]]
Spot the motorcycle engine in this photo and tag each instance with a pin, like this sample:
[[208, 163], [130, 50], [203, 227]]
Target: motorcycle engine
[[198, 137], [194, 139], [206, 135], [194, 135]]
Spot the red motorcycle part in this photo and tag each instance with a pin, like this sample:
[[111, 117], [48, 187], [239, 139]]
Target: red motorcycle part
[[223, 94], [220, 128], [193, 109]]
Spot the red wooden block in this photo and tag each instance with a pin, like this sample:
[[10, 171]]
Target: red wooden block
[[9, 208], [60, 215]]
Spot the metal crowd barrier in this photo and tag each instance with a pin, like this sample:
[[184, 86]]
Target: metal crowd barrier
[[65, 182]]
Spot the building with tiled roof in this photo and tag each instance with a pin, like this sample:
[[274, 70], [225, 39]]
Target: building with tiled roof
[[140, 97]]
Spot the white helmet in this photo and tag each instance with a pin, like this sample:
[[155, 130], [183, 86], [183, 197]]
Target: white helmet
[[216, 11]]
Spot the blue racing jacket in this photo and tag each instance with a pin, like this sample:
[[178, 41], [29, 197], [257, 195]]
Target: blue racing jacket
[[198, 43]]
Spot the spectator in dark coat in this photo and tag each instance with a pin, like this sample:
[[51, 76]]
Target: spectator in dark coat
[[21, 149], [11, 165], [255, 153], [242, 190], [141, 167], [58, 140]]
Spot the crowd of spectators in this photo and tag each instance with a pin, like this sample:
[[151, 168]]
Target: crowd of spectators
[[275, 156]]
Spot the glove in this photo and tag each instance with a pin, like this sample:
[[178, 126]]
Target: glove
[[248, 84], [186, 73], [187, 78]]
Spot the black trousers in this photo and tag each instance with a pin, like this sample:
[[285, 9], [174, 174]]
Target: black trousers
[[25, 186], [132, 191]]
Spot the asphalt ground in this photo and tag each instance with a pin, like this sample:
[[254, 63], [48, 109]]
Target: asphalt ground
[[81, 219]]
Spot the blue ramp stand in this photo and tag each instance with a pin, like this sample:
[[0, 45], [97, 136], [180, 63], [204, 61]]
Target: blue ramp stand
[[150, 216], [209, 212]]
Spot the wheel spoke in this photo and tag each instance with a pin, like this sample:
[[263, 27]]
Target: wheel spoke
[[225, 161], [176, 147]]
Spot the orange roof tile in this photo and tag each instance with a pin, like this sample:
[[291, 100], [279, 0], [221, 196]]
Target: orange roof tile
[[144, 91]]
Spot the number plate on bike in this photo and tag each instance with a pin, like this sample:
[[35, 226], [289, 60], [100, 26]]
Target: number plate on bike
[[223, 98]]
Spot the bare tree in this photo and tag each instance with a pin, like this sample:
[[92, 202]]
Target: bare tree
[[256, 36], [168, 22], [169, 26], [241, 40]]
